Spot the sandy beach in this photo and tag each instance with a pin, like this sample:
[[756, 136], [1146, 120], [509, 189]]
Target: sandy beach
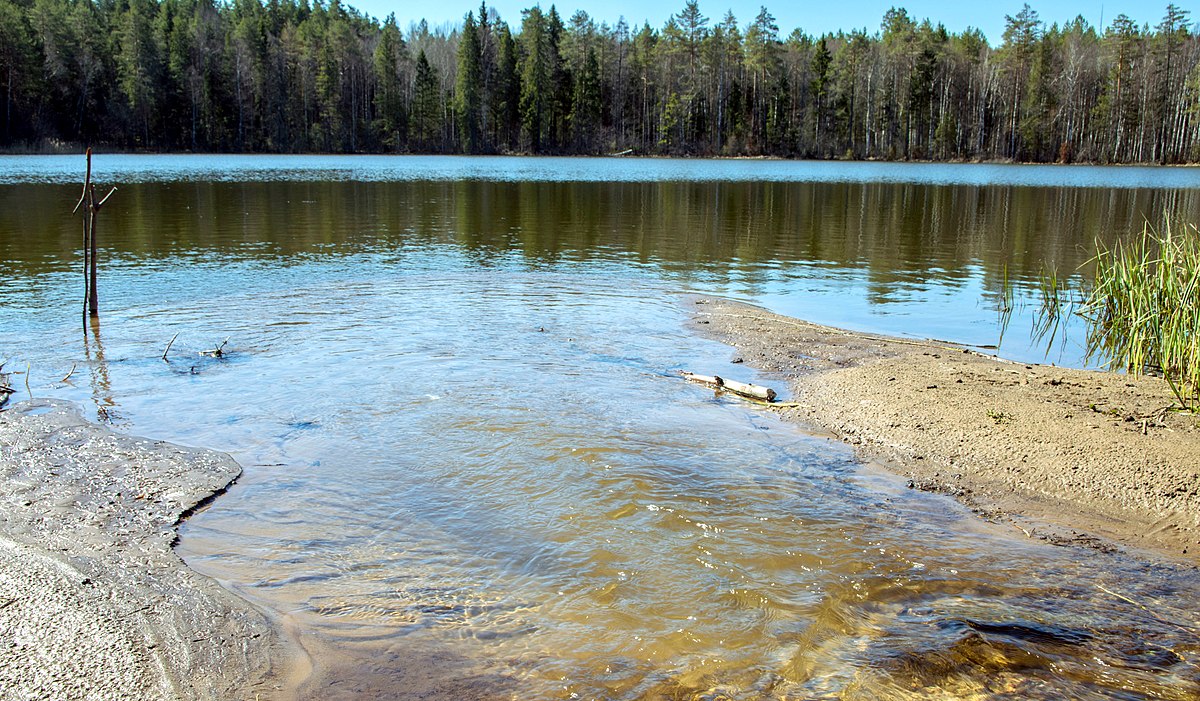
[[94, 602], [1070, 456]]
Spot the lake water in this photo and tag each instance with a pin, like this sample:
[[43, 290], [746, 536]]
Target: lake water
[[473, 472]]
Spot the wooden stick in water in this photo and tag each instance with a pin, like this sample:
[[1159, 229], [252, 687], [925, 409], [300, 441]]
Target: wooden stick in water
[[169, 344], [87, 233]]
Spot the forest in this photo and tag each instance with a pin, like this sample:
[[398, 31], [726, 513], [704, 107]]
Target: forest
[[294, 76]]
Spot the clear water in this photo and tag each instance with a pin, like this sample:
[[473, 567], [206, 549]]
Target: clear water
[[472, 472], [238, 168]]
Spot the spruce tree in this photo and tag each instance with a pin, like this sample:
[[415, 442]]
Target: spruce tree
[[427, 102], [468, 87]]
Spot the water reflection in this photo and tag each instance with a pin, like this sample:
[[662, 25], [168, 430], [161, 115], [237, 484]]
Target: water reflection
[[895, 257], [472, 472], [897, 232], [102, 394]]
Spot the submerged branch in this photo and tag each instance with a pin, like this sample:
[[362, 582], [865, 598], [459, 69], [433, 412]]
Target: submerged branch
[[218, 352], [1187, 629]]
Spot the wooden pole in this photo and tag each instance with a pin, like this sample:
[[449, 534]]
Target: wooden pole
[[87, 234], [91, 299], [93, 296]]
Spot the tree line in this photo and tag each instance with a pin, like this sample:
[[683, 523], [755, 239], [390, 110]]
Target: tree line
[[292, 76]]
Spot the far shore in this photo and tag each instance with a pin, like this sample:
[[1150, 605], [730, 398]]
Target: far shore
[[1072, 457], [58, 149]]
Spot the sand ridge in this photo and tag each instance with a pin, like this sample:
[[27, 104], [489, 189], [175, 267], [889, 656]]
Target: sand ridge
[[1070, 456]]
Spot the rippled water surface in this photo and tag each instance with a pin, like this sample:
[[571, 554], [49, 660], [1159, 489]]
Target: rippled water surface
[[472, 470]]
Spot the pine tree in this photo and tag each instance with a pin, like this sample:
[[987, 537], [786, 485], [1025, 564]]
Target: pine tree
[[762, 60], [1022, 34]]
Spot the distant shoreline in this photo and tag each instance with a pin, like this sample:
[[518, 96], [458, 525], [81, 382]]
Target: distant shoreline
[[78, 149]]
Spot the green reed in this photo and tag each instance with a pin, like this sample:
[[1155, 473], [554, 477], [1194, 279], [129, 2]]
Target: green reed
[[1007, 302], [1055, 297], [1144, 307]]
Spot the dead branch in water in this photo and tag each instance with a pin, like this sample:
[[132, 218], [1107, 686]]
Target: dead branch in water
[[1187, 629], [110, 194], [6, 390], [87, 235], [169, 344], [68, 375], [218, 352], [91, 298]]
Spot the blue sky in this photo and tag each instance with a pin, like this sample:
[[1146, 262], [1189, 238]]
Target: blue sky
[[813, 17]]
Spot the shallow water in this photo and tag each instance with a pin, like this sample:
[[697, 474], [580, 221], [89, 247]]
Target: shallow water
[[472, 471]]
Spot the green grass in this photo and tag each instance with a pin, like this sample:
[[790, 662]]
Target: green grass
[[1144, 307], [999, 417]]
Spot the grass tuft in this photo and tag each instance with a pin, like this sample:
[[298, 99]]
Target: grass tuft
[[1144, 308]]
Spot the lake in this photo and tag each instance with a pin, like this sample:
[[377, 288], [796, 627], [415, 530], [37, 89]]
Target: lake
[[471, 468]]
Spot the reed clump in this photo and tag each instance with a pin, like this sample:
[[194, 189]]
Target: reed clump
[[1144, 307]]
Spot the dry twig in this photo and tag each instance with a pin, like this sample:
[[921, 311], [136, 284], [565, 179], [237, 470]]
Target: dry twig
[[169, 344], [218, 352]]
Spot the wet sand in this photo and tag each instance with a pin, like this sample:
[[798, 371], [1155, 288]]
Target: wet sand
[[94, 602], [1073, 457]]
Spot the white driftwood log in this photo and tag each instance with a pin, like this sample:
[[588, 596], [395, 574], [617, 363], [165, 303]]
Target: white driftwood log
[[753, 391], [765, 394]]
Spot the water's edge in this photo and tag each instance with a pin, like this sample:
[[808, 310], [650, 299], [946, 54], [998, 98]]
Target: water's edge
[[938, 416]]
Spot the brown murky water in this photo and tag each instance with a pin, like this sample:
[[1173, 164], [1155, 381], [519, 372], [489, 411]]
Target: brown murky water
[[471, 471]]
